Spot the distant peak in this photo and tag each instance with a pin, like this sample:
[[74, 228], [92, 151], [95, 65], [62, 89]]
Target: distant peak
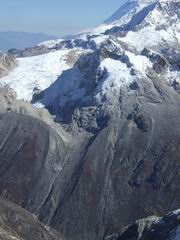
[[128, 9], [143, 2]]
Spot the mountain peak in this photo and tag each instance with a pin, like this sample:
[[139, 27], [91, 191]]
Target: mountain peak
[[127, 10], [147, 2]]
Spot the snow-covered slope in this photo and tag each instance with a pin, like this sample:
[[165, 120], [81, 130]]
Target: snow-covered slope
[[122, 16], [127, 11], [36, 73], [143, 22], [96, 72], [160, 27], [72, 84]]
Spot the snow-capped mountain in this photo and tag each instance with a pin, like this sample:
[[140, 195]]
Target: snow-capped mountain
[[141, 24], [127, 11], [155, 26], [96, 144], [122, 16]]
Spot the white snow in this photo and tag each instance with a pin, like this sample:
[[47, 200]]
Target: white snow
[[51, 43], [152, 33], [100, 39], [83, 37], [65, 88], [140, 63], [96, 30], [176, 212], [39, 71], [118, 74], [125, 13], [102, 28]]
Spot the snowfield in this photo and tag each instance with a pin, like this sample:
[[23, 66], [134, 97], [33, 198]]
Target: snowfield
[[36, 72]]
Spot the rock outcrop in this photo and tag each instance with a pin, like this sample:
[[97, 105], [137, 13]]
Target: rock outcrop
[[151, 228], [7, 63], [18, 224]]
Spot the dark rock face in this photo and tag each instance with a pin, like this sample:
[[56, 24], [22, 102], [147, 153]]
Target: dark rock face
[[122, 170], [32, 156], [18, 224], [33, 51], [130, 170], [126, 168], [151, 228]]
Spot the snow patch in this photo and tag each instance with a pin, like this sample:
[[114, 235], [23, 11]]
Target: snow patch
[[140, 63], [118, 74]]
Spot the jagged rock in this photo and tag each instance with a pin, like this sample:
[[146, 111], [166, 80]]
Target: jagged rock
[[161, 65], [33, 51], [110, 50], [160, 61], [7, 63], [14, 51], [37, 94], [7, 93], [151, 228]]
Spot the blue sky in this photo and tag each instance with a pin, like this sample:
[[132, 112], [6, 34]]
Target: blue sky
[[56, 17]]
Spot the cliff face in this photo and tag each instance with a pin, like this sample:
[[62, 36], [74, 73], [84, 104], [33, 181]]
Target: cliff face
[[131, 168]]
